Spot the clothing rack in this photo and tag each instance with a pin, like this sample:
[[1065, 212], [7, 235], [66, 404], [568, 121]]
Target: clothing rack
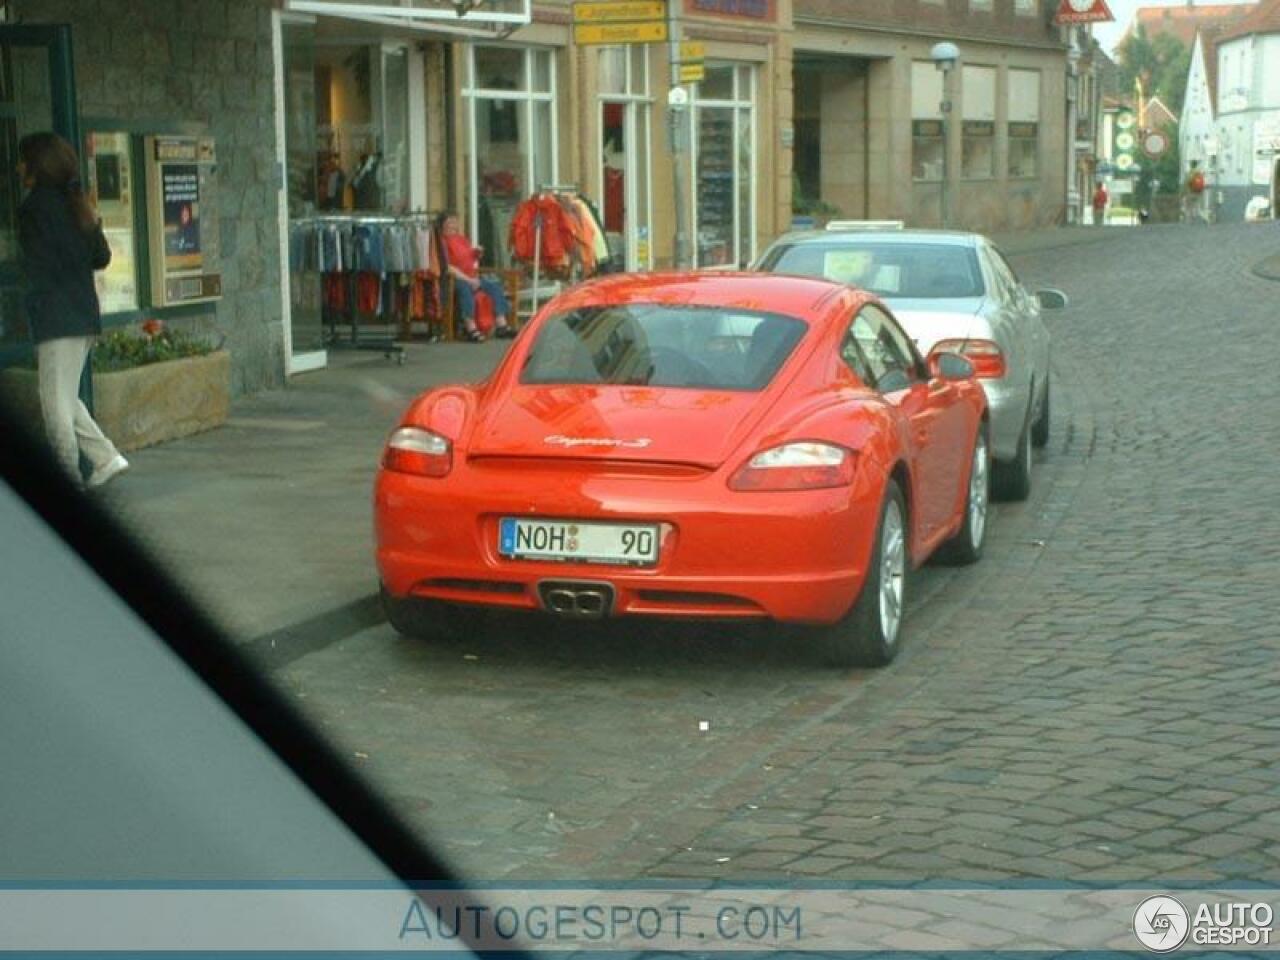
[[557, 190], [385, 344]]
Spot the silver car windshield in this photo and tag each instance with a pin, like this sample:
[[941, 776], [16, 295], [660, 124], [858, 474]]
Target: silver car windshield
[[905, 270]]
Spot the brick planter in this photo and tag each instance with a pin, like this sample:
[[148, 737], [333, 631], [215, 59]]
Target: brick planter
[[145, 405]]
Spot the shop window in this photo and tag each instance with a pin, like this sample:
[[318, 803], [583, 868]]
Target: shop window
[[1024, 123], [510, 111], [624, 153], [361, 108], [1025, 7], [978, 133], [724, 166], [927, 140]]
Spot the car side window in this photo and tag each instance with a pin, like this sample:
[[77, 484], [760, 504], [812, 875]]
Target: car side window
[[889, 360], [1007, 279]]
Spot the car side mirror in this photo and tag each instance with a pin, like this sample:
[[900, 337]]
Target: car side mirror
[[1051, 299], [949, 366]]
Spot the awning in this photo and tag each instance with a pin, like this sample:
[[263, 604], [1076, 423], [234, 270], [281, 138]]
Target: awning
[[479, 18]]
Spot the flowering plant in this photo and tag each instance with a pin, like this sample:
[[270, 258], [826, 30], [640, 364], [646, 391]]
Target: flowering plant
[[124, 349]]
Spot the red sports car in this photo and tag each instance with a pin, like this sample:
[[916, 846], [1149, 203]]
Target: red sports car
[[693, 446]]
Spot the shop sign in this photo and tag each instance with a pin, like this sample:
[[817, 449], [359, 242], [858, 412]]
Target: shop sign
[[691, 50], [1083, 11], [692, 72], [616, 11], [644, 31], [755, 9], [979, 128]]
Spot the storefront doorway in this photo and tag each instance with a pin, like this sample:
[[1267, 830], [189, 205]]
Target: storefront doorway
[[351, 129], [37, 92], [625, 179], [831, 117]]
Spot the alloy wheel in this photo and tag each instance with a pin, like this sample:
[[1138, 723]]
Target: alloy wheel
[[893, 564], [979, 490]]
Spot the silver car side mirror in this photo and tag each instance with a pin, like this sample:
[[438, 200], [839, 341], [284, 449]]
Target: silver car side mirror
[[1051, 299]]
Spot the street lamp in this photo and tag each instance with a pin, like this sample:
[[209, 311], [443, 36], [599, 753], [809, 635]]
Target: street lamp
[[944, 56]]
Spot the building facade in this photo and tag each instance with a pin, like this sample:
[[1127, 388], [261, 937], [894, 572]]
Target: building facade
[[317, 111]]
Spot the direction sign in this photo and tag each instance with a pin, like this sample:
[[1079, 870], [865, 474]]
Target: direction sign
[[615, 11], [643, 31]]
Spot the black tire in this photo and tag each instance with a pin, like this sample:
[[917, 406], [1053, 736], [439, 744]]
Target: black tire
[[1040, 431], [859, 638], [1011, 479], [427, 619], [966, 546]]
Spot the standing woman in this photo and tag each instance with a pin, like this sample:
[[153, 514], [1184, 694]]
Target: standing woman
[[62, 244]]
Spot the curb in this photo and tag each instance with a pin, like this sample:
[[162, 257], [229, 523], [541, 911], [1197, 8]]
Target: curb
[[281, 647]]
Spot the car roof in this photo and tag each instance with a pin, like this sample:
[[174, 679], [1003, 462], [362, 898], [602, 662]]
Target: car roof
[[759, 292], [950, 238]]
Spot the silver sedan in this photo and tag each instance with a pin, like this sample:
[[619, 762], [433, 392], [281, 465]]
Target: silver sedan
[[951, 292]]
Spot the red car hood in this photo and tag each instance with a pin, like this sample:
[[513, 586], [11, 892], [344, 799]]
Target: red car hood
[[619, 423]]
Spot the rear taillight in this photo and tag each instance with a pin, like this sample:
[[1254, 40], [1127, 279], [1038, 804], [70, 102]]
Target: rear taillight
[[796, 466], [985, 355], [417, 451]]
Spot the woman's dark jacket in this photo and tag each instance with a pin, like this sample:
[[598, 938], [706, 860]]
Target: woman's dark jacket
[[60, 260]]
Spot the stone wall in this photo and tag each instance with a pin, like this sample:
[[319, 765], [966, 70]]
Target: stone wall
[[177, 66]]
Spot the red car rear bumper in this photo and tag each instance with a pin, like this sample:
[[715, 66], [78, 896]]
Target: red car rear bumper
[[792, 556]]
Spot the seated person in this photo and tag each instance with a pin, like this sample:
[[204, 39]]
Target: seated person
[[464, 264]]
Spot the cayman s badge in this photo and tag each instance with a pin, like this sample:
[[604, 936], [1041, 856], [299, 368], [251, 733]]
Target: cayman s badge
[[560, 440]]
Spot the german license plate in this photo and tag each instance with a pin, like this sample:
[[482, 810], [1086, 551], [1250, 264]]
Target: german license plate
[[620, 543]]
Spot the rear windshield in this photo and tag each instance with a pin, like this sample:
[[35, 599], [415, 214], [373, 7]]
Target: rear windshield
[[662, 346], [908, 270]]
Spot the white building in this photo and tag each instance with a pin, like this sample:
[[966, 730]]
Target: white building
[[1231, 120]]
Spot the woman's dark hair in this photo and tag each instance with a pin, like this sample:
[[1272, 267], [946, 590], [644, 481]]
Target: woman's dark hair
[[443, 216], [52, 162]]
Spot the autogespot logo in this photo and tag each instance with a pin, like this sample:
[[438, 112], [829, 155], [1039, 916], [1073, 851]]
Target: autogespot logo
[[1161, 924]]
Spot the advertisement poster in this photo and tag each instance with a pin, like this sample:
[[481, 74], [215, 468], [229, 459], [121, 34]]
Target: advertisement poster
[[180, 195]]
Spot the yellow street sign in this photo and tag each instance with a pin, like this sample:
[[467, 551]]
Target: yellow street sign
[[644, 31], [692, 50], [692, 73], [616, 11]]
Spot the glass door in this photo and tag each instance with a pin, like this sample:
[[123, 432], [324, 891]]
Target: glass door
[[36, 93], [624, 153]]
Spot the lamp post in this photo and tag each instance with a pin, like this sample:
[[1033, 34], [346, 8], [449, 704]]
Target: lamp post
[[944, 56]]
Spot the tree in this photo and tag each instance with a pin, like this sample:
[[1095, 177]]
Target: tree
[[1161, 63]]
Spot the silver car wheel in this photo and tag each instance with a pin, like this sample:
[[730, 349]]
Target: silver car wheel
[[979, 490], [893, 563]]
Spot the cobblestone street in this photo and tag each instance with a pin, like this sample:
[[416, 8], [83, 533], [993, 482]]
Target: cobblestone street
[[1095, 702]]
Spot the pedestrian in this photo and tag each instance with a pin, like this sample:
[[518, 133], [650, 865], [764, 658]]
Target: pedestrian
[[1194, 197], [62, 244], [1100, 199], [464, 264]]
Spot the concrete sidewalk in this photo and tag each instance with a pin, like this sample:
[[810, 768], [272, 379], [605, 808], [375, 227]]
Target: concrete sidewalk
[[269, 519]]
